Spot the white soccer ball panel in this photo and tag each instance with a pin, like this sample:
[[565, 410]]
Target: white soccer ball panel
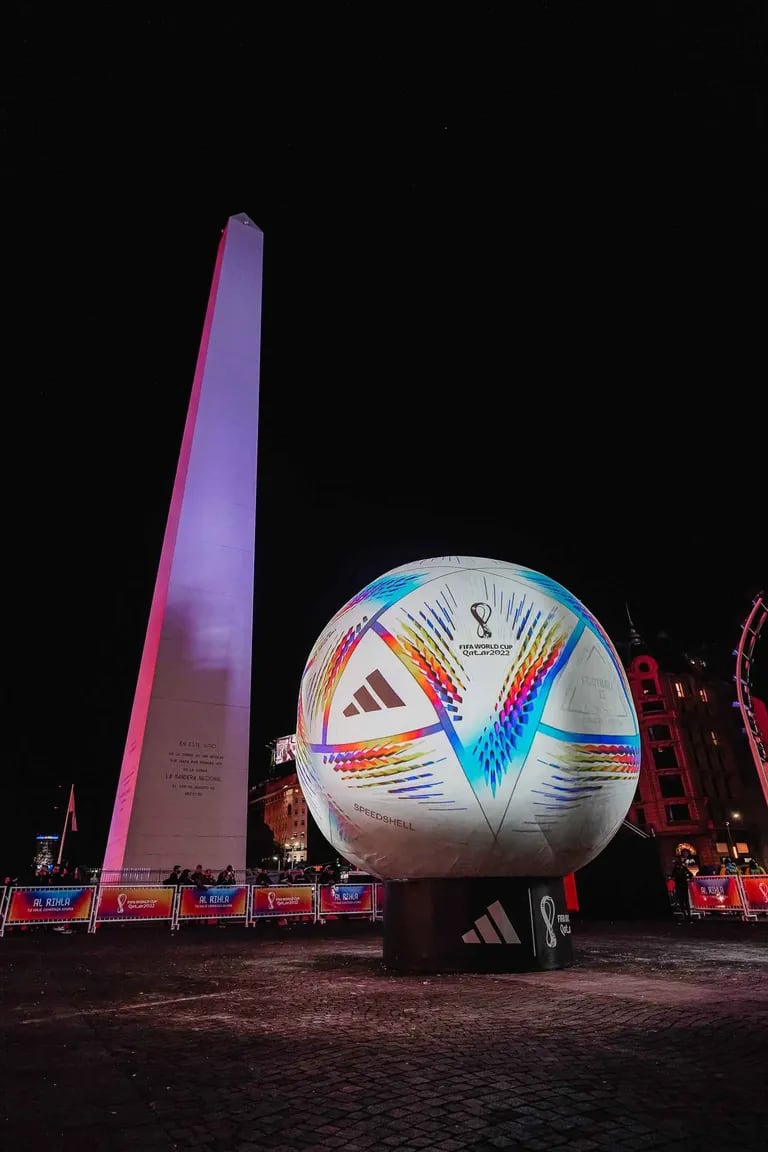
[[592, 694]]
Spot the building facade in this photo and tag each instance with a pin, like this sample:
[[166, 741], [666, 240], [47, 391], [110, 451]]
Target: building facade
[[281, 805], [698, 789]]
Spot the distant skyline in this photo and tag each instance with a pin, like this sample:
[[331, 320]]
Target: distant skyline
[[509, 311]]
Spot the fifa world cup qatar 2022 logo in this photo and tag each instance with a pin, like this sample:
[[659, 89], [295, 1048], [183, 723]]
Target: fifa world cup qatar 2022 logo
[[482, 614]]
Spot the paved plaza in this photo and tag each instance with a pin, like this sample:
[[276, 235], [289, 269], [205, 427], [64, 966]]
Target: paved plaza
[[260, 1040]]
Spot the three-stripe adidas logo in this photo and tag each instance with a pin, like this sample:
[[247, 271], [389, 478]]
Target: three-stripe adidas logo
[[496, 928], [375, 694]]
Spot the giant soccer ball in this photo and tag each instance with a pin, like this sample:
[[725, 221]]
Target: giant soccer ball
[[464, 717]]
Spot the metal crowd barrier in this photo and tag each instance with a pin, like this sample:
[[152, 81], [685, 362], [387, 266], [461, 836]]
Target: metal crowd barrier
[[743, 896], [91, 905]]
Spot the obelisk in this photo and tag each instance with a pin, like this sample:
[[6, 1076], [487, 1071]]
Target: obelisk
[[182, 795]]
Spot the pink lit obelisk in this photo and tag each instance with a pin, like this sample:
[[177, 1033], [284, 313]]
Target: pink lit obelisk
[[182, 796]]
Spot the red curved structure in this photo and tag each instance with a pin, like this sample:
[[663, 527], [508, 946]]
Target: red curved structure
[[744, 656]]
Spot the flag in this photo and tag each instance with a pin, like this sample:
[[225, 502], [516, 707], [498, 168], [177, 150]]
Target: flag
[[71, 809]]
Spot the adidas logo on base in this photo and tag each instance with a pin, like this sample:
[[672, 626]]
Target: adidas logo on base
[[496, 928]]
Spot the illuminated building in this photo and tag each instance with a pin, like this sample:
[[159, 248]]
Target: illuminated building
[[285, 814], [46, 848], [697, 788]]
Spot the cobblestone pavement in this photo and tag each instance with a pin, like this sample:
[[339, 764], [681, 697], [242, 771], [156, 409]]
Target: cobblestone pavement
[[250, 1040]]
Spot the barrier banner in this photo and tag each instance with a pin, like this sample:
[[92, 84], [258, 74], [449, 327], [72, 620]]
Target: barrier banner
[[287, 900], [49, 905], [756, 892], [380, 893], [219, 902], [132, 902], [711, 893], [346, 899]]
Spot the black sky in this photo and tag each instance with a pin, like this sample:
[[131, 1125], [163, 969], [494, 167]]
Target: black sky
[[514, 306]]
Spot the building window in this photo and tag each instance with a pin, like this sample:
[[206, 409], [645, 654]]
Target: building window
[[649, 687], [640, 817], [679, 689], [664, 756], [703, 695], [714, 739], [677, 814], [659, 732], [671, 786], [652, 706]]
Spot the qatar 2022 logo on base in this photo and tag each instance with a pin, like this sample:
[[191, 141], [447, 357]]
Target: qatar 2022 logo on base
[[466, 717]]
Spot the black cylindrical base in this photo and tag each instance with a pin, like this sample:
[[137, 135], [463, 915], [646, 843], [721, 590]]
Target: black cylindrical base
[[483, 924]]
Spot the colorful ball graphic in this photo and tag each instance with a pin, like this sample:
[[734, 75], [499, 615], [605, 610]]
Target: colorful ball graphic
[[466, 717]]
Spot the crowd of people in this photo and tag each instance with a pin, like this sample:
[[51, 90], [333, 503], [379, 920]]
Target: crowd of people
[[200, 877], [43, 874], [328, 874]]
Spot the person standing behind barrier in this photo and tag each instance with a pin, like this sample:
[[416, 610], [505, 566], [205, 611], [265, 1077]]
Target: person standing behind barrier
[[199, 878], [175, 875], [682, 878], [227, 875]]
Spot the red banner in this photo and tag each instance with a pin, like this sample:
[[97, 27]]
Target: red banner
[[287, 900], [710, 893], [132, 902], [49, 905], [213, 903], [571, 892], [756, 891], [346, 899]]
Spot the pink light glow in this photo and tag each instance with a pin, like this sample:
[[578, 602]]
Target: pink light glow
[[760, 712], [748, 706], [121, 815]]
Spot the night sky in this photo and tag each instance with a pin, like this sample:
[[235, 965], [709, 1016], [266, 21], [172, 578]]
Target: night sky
[[514, 307]]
